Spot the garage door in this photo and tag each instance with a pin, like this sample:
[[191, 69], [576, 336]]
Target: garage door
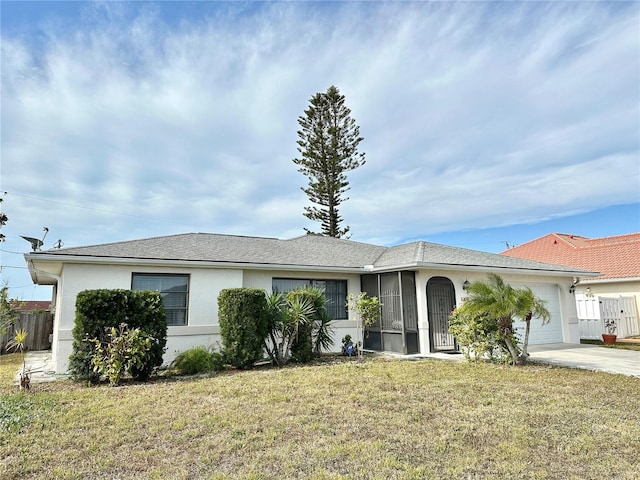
[[550, 332]]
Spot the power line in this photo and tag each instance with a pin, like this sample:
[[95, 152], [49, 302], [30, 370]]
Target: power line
[[9, 251], [24, 286]]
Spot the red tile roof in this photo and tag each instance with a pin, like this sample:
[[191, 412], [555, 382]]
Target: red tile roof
[[615, 257], [31, 305]]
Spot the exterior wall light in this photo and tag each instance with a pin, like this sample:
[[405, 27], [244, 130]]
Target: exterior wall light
[[465, 285]]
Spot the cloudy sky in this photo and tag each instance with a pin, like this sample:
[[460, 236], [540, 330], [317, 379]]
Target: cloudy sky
[[482, 122]]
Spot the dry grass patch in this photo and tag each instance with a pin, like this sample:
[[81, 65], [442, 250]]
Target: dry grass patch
[[377, 419]]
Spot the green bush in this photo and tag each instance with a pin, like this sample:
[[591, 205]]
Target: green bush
[[124, 350], [97, 311], [314, 333], [299, 325], [367, 311], [478, 336], [242, 314], [199, 359], [302, 345]]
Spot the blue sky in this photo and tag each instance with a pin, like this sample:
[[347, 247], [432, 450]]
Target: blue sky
[[483, 123]]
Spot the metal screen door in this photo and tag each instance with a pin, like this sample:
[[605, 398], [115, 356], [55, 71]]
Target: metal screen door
[[440, 304]]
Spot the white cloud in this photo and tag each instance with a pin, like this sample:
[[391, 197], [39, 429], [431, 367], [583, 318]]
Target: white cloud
[[474, 115]]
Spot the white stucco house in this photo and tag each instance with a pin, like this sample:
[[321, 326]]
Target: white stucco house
[[419, 284]]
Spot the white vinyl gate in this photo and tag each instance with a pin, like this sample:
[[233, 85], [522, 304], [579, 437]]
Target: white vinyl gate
[[593, 311]]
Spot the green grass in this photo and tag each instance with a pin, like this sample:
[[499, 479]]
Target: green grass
[[619, 345], [337, 420]]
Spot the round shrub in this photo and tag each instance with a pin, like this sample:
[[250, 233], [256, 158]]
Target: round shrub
[[198, 360]]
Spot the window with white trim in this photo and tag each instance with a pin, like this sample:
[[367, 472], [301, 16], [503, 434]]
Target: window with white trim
[[174, 290], [335, 291]]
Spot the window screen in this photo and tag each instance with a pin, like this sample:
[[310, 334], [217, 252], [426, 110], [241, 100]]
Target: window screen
[[335, 291], [174, 290]]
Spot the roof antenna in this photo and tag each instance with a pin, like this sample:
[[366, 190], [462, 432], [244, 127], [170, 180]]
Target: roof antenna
[[59, 244], [36, 243]]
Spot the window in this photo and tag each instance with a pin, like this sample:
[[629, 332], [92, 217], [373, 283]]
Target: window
[[174, 290], [335, 291]]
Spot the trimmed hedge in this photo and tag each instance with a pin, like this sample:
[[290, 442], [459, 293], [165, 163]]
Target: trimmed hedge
[[242, 315], [99, 310]]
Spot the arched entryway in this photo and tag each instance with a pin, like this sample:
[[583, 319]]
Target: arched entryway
[[441, 300]]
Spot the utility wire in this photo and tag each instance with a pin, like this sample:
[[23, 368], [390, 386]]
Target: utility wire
[[24, 286], [9, 251]]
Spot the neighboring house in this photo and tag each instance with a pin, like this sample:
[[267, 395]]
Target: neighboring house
[[31, 305], [618, 261], [418, 283], [35, 317]]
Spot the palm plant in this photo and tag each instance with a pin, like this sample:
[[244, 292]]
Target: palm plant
[[320, 325], [18, 343], [287, 317], [275, 326], [300, 314], [323, 335], [529, 306], [502, 302]]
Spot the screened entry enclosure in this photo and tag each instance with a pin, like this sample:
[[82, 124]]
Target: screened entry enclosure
[[441, 300], [397, 329]]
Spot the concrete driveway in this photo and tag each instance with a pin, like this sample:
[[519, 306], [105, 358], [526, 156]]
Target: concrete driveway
[[589, 357]]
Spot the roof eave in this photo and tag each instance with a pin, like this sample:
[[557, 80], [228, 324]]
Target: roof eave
[[610, 280], [483, 268], [41, 277], [391, 268], [294, 267], [499, 269], [79, 259]]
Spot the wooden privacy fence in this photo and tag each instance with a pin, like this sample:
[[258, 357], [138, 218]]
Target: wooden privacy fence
[[39, 326]]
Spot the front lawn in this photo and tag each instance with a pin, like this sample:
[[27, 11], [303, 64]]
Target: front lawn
[[341, 420], [620, 345]]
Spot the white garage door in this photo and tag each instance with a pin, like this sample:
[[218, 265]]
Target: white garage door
[[550, 332]]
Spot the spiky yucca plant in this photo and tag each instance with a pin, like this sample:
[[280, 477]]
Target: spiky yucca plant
[[18, 343]]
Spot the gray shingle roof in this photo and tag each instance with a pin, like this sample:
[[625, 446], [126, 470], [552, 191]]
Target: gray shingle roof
[[417, 253], [311, 250], [307, 250]]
